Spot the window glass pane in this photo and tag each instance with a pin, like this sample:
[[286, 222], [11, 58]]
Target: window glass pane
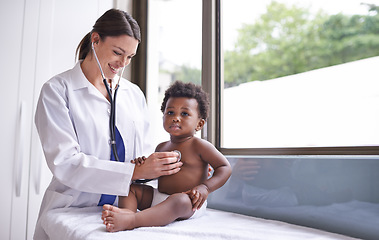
[[174, 51], [333, 193], [300, 73]]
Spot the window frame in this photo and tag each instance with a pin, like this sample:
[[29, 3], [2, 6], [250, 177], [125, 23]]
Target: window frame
[[138, 65], [212, 82]]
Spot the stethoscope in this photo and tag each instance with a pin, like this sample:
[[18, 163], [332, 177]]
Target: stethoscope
[[112, 101]]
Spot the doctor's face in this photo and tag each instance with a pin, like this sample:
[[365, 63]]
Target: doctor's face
[[114, 53]]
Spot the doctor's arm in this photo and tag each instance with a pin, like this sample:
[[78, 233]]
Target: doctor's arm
[[67, 162]]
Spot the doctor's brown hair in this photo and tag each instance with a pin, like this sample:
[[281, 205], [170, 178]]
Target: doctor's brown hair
[[112, 23]]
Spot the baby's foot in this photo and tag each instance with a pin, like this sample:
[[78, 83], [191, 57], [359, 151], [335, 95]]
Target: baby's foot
[[116, 219], [115, 209]]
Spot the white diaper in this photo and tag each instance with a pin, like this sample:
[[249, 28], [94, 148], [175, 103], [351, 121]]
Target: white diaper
[[159, 197]]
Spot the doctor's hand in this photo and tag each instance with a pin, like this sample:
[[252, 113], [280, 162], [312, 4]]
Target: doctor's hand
[[156, 165]]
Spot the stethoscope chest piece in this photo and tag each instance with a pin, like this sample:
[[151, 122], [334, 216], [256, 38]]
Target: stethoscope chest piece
[[180, 155]]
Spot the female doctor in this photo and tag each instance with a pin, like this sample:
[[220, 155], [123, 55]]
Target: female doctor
[[72, 119]]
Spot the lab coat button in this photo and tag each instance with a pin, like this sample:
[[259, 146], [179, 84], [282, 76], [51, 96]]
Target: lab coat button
[[109, 112]]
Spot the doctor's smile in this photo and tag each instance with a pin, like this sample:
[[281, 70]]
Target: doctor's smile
[[114, 70]]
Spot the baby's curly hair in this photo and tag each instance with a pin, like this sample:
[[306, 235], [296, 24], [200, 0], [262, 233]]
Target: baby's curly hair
[[189, 90]]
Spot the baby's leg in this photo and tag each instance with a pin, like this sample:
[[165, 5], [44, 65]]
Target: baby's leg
[[116, 219], [140, 197], [176, 206]]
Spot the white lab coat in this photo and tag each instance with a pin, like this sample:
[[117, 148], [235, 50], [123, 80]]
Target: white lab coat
[[72, 119]]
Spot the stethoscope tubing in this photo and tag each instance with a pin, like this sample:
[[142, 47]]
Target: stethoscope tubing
[[112, 101], [112, 119]]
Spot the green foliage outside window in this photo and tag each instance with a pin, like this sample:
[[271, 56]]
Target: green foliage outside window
[[288, 39]]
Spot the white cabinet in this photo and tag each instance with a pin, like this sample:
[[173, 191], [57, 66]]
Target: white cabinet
[[16, 99], [38, 40]]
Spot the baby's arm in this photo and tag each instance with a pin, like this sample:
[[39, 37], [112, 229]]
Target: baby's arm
[[198, 195], [222, 172]]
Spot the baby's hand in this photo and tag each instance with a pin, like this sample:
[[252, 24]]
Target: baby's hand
[[198, 195], [139, 161]]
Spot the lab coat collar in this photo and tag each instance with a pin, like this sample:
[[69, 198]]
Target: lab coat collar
[[78, 78], [80, 81]]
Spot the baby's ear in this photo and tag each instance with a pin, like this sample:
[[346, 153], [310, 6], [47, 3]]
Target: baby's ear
[[200, 124]]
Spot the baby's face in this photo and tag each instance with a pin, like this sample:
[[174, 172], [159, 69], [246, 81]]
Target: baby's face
[[181, 116]]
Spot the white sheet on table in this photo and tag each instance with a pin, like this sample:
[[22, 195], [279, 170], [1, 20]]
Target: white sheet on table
[[85, 223]]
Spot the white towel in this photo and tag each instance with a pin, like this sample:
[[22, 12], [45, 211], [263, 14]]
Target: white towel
[[86, 223]]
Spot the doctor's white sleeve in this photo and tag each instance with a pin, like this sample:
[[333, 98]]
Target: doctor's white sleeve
[[73, 168]]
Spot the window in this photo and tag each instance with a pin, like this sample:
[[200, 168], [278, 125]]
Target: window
[[294, 117], [174, 51], [299, 74]]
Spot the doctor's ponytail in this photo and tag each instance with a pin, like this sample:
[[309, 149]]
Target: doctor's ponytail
[[84, 47], [112, 23]]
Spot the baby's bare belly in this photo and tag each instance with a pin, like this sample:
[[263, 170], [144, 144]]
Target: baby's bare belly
[[184, 180]]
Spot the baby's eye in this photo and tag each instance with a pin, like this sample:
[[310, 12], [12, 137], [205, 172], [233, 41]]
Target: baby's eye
[[169, 112], [185, 114]]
